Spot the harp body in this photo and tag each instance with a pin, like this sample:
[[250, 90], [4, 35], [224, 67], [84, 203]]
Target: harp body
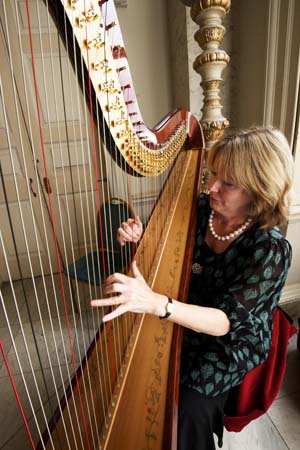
[[123, 391], [139, 402]]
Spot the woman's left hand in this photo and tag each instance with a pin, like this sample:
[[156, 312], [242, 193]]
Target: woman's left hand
[[130, 294]]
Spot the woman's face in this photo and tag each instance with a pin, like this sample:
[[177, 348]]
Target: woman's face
[[227, 198]]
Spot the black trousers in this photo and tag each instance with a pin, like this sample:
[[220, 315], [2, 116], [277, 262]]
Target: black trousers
[[198, 419]]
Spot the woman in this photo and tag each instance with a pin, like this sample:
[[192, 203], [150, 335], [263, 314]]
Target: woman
[[240, 265]]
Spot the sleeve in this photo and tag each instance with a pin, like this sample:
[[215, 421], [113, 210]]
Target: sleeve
[[249, 302]]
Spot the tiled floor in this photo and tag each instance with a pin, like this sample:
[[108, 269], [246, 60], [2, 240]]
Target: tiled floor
[[279, 429], [49, 383]]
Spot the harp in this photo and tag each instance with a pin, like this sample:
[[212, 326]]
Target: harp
[[77, 383]]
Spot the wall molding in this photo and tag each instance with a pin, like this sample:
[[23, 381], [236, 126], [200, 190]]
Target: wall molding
[[294, 216], [271, 60], [290, 300], [121, 3], [291, 293], [287, 63]]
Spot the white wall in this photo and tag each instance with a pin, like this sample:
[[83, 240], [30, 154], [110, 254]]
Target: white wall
[[144, 26]]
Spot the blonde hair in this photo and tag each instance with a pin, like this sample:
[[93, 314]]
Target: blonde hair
[[260, 161]]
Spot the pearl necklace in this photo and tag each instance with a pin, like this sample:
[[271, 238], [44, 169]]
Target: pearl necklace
[[229, 236]]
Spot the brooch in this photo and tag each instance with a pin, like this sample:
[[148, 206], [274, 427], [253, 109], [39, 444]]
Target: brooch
[[197, 268]]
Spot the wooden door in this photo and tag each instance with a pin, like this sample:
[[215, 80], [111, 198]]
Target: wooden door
[[54, 142], [24, 218]]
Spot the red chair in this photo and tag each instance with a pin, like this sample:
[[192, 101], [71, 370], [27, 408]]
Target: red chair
[[253, 397]]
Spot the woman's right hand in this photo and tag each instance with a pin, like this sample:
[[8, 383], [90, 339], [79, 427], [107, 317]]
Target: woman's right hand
[[130, 231]]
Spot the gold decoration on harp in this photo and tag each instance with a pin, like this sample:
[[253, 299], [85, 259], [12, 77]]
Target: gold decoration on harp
[[72, 4], [87, 16], [122, 120], [108, 87], [114, 106], [101, 65], [131, 136], [152, 162], [97, 42]]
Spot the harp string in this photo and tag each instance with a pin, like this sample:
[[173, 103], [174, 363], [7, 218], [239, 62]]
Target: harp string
[[81, 189], [121, 321], [112, 354], [54, 228], [18, 360], [129, 319], [22, 281], [118, 323], [114, 340], [29, 196], [110, 329], [102, 359], [22, 220], [16, 391], [88, 383], [29, 394], [106, 355]]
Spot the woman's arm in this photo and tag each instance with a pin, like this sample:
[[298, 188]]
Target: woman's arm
[[134, 295]]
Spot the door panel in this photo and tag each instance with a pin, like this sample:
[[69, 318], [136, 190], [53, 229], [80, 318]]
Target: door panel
[[50, 132]]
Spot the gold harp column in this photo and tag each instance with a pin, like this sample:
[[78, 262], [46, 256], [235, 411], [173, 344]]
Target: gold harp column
[[208, 14]]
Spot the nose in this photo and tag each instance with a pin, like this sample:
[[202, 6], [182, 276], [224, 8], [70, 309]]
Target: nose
[[214, 185]]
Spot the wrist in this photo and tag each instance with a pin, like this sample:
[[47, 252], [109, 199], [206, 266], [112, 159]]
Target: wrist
[[168, 308], [159, 305]]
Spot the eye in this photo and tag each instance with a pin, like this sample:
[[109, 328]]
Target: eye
[[228, 183]]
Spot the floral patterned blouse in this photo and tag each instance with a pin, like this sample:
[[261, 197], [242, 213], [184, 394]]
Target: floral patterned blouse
[[245, 281]]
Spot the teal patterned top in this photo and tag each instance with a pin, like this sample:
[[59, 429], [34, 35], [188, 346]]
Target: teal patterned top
[[245, 281]]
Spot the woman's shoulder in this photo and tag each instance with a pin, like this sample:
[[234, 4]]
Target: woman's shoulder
[[270, 244], [271, 237]]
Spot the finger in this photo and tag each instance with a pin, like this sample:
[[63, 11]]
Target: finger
[[128, 229], [136, 232], [135, 271], [116, 278], [125, 235], [138, 228], [114, 288], [138, 221], [115, 313], [128, 223], [113, 301], [121, 231], [133, 227], [121, 240]]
